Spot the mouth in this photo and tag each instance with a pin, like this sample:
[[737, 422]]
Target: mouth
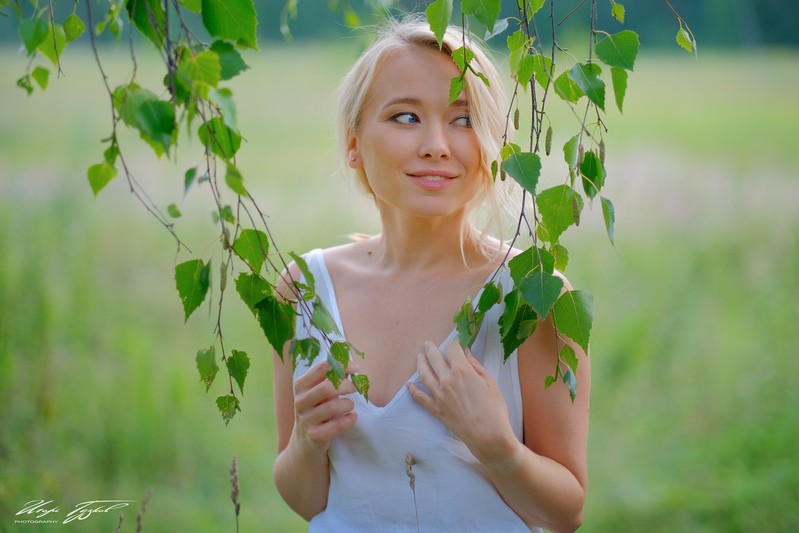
[[432, 178], [432, 182]]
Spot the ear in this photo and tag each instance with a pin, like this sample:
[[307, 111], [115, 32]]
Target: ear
[[353, 154]]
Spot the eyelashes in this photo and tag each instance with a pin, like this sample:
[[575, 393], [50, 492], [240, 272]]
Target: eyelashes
[[411, 118], [405, 118]]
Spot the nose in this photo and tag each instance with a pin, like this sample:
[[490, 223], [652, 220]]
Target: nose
[[434, 143]]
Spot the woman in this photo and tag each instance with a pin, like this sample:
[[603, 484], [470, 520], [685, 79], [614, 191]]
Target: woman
[[449, 440]]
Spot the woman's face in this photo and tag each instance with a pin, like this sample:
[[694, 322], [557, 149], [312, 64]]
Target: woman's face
[[420, 155]]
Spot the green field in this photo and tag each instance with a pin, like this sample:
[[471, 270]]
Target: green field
[[694, 423]]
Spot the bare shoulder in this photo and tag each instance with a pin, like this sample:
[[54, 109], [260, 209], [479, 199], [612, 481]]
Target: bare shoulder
[[336, 258], [348, 257]]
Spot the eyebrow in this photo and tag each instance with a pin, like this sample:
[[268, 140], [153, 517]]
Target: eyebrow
[[410, 100]]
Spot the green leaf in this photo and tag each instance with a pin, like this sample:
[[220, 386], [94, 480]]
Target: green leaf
[[252, 246], [526, 70], [156, 123], [571, 382], [232, 20], [73, 27], [518, 321], [229, 59], [219, 138], [234, 180], [144, 111], [568, 356], [557, 210], [322, 318], [586, 77], [567, 89], [32, 32], [456, 86], [149, 18], [549, 381], [509, 149], [574, 314], [540, 291], [306, 349], [53, 47], [41, 75], [685, 40], [609, 214], [338, 359], [571, 150], [173, 211], [619, 49], [308, 277], [517, 49], [534, 6], [111, 153], [561, 255], [525, 168], [188, 178], [490, 296], [532, 259], [593, 173], [237, 365], [277, 320], [200, 72], [25, 83], [206, 365], [438, 15], [462, 57], [252, 289], [485, 11], [543, 69], [100, 175], [192, 280], [361, 382], [467, 324], [223, 98], [228, 405], [619, 78], [617, 12], [195, 6]]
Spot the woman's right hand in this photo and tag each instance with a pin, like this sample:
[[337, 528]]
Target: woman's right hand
[[320, 411]]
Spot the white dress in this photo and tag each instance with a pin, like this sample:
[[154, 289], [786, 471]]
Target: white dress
[[369, 487]]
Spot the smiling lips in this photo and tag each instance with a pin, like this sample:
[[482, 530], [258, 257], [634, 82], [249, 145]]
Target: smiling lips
[[433, 180]]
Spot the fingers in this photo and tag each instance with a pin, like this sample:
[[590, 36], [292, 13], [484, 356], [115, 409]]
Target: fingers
[[477, 366], [321, 410], [421, 397]]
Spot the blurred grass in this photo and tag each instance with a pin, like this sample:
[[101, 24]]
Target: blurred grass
[[693, 408]]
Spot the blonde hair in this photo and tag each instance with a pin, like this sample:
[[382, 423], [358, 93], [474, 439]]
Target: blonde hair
[[487, 107]]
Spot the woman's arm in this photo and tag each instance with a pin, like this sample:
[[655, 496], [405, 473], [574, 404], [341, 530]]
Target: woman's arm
[[309, 413], [543, 479]]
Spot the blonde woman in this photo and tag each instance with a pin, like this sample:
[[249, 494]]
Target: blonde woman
[[450, 439]]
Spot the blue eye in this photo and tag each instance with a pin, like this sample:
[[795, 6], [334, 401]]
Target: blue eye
[[465, 121], [405, 118]]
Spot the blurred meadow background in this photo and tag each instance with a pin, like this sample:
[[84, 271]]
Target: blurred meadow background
[[694, 424]]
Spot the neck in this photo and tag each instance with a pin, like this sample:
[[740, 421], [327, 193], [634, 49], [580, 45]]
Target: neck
[[427, 244]]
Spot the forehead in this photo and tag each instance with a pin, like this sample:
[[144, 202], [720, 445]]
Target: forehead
[[413, 71]]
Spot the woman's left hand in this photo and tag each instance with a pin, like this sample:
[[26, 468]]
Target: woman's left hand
[[465, 398]]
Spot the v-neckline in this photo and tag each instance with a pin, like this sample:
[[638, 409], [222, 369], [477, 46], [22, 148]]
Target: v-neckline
[[333, 309]]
